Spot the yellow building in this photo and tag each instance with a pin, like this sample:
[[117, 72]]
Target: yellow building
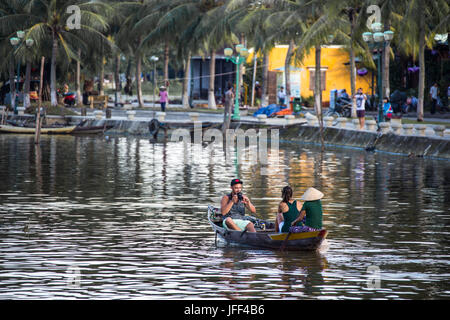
[[335, 70]]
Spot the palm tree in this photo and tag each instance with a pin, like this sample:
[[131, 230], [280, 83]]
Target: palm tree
[[161, 26], [193, 23], [285, 27], [46, 23], [130, 36], [253, 17], [317, 26], [390, 16], [422, 20]]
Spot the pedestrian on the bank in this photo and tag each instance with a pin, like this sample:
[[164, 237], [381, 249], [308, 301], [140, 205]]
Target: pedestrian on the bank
[[448, 96], [387, 109], [411, 104], [258, 93], [229, 97], [360, 107], [434, 94], [163, 98], [281, 96]]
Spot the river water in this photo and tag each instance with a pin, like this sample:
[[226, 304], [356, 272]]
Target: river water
[[125, 218]]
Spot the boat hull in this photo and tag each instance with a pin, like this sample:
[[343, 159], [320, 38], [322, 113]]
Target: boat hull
[[25, 130], [267, 239]]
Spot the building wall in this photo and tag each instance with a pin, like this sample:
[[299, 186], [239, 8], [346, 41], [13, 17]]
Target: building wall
[[200, 77], [333, 59]]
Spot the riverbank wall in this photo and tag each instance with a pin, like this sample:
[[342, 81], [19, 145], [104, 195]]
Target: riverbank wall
[[408, 145], [413, 143]]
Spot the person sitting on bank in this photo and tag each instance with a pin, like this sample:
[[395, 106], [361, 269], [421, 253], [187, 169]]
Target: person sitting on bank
[[311, 210], [288, 210], [387, 109], [233, 209]]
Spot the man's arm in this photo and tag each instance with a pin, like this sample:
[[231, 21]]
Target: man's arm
[[249, 205], [225, 205]]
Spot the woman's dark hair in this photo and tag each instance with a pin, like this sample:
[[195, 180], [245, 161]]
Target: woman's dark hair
[[286, 194]]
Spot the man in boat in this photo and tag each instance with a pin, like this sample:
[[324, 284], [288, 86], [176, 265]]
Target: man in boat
[[233, 209]]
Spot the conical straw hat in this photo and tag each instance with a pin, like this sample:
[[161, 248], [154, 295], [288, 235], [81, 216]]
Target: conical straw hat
[[311, 195]]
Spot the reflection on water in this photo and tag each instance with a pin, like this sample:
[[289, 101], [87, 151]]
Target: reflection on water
[[130, 217]]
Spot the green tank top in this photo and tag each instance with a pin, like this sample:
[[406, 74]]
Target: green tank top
[[290, 216], [313, 213]]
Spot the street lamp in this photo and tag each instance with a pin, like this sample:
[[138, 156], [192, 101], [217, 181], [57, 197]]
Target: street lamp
[[242, 53], [154, 59], [378, 40]]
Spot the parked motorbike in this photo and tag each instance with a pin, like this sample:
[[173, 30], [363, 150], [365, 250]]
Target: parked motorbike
[[69, 98], [343, 108]]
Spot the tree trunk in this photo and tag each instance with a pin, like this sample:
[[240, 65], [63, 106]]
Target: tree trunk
[[255, 62], [78, 81], [386, 63], [138, 79], [265, 79], [26, 89], [101, 79], [212, 77], [353, 80], [166, 63], [187, 71], [166, 70], [37, 136], [12, 83], [117, 80], [287, 71], [54, 98], [129, 84], [422, 69], [242, 41], [318, 92], [353, 71]]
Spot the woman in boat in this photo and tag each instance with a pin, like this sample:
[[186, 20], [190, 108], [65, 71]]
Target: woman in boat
[[288, 210], [311, 211]]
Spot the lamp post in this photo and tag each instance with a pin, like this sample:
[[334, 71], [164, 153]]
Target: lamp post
[[378, 40], [242, 53], [154, 59]]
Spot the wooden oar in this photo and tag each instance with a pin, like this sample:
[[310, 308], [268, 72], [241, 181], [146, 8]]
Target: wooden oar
[[283, 245]]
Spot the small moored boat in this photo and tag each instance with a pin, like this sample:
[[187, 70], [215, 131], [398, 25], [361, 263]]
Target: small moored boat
[[28, 130], [91, 129], [265, 236]]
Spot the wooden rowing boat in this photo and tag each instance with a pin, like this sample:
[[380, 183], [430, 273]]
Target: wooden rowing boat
[[28, 130], [265, 235], [91, 129]]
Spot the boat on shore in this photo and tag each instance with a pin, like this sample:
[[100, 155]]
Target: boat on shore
[[91, 129], [31, 130], [266, 236]]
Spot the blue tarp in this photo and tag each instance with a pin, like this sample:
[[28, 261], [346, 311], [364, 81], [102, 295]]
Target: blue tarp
[[270, 110]]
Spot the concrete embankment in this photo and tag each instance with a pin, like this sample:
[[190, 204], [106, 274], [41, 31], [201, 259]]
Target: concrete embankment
[[411, 145]]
